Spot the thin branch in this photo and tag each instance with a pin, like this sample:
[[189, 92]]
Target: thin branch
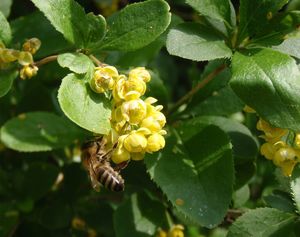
[[96, 61], [194, 90], [46, 60]]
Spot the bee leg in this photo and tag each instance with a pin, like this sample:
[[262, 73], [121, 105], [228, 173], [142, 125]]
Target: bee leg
[[121, 166]]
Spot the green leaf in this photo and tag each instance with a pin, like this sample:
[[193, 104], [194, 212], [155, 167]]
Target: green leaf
[[244, 149], [139, 216], [290, 46], [197, 177], [6, 81], [84, 107], [5, 6], [295, 187], [9, 218], [5, 31], [241, 196], [254, 15], [76, 62], [272, 76], [261, 222], [196, 42], [69, 18], [52, 41], [280, 200], [216, 9], [137, 25], [38, 131], [96, 30]]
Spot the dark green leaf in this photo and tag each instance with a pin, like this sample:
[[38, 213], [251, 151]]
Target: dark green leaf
[[196, 42], [139, 216], [281, 201], [198, 176], [76, 62], [96, 30], [5, 6], [6, 81], [261, 222], [221, 10], [137, 25], [295, 186], [83, 106], [5, 31], [272, 76], [254, 15], [52, 41], [9, 218], [38, 131]]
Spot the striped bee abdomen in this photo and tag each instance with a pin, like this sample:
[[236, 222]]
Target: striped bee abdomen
[[110, 178]]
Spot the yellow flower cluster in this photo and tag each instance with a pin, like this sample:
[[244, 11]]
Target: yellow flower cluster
[[136, 123], [24, 57], [175, 231], [278, 148]]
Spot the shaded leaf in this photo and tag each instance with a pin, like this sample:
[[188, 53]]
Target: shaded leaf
[[84, 107], [261, 222], [6, 81], [5, 31], [136, 25], [272, 76], [5, 6], [38, 131], [197, 177], [196, 42]]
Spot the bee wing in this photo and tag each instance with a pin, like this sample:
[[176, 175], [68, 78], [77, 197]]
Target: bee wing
[[95, 184]]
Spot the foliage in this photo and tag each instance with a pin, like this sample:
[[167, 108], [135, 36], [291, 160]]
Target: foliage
[[226, 73]]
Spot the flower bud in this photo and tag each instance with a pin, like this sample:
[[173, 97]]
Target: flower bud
[[155, 142], [28, 71], [135, 142], [120, 155], [272, 134], [25, 58], [140, 73], [104, 79], [297, 140], [286, 159], [134, 111], [267, 150], [161, 233], [137, 156], [9, 55], [176, 231], [32, 45]]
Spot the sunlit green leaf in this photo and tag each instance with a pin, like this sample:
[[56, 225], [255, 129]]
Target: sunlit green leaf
[[76, 62], [5, 31]]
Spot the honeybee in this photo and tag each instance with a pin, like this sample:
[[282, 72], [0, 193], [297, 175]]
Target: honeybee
[[96, 161]]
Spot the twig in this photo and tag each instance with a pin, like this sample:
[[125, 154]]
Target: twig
[[194, 90], [46, 60], [96, 61]]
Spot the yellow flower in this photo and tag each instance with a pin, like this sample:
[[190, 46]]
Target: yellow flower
[[297, 140], [136, 140], [137, 156], [25, 58], [78, 223], [267, 150], [286, 159], [140, 73], [176, 231], [155, 122], [155, 142], [104, 79], [134, 111], [120, 154], [128, 89], [32, 45], [8, 55], [28, 71], [272, 134], [161, 233]]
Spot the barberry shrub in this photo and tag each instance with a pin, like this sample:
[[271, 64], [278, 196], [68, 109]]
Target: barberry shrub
[[196, 104]]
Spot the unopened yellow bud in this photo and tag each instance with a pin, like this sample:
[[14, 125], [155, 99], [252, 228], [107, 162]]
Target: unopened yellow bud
[[91, 232], [137, 156], [135, 142], [267, 150], [104, 79], [120, 155], [297, 140], [28, 71], [272, 134], [286, 159], [134, 111], [8, 55], [161, 233], [78, 223], [140, 73], [32, 45], [25, 58], [176, 231], [155, 142]]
